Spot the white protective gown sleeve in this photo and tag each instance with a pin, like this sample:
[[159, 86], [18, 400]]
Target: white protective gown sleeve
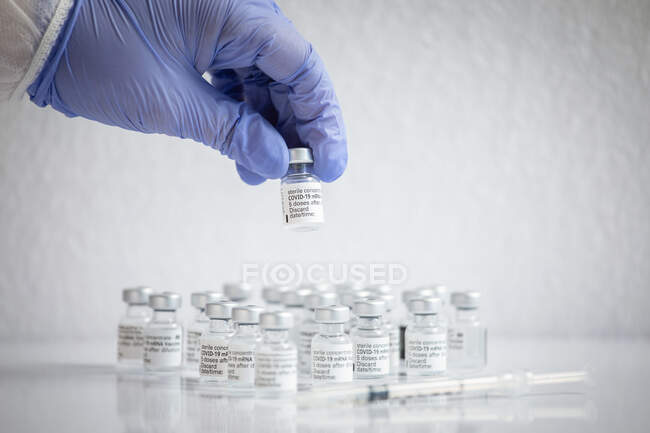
[[28, 32]]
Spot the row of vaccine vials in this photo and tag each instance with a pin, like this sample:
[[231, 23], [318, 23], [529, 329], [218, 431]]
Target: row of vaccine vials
[[321, 333]]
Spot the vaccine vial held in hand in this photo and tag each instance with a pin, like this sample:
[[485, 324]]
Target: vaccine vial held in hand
[[302, 205]]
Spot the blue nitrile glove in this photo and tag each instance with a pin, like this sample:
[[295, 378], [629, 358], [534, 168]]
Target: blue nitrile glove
[[138, 64]]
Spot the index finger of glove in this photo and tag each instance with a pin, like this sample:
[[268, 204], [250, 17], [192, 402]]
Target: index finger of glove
[[265, 38]]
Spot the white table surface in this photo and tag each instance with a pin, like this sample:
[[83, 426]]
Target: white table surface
[[73, 386]]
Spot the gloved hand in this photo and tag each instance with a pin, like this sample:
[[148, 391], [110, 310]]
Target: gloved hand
[[139, 64]]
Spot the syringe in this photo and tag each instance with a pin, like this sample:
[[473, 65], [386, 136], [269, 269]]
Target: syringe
[[508, 384]]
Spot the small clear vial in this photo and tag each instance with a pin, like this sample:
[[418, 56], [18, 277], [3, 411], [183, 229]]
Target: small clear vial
[[332, 354], [393, 332], [213, 365], [467, 337], [294, 302], [163, 335], [308, 328], [444, 294], [348, 299], [130, 337], [380, 289], [371, 343], [441, 292], [407, 295], [426, 339], [302, 205], [348, 286], [238, 292], [241, 349], [272, 296], [195, 329], [317, 287], [276, 357]]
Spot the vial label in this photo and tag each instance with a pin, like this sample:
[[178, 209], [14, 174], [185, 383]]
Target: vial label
[[162, 347], [454, 340], [426, 353], [302, 203], [241, 364], [402, 339], [277, 370], [304, 350], [332, 363], [371, 356], [193, 346], [130, 342], [467, 347], [214, 360], [394, 348]]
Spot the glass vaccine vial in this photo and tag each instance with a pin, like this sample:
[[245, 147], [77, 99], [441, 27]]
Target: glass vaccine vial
[[348, 286], [380, 289], [213, 365], [392, 331], [195, 329], [371, 344], [237, 292], [467, 337], [294, 302], [272, 296], [309, 327], [407, 295], [332, 354], [302, 205], [426, 339], [276, 357], [241, 348], [348, 299], [130, 336], [446, 314], [322, 286], [163, 336]]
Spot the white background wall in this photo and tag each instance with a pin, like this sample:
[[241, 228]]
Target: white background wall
[[500, 146]]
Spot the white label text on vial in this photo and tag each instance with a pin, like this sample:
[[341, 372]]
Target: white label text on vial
[[371, 357], [214, 359], [277, 370], [426, 352], [162, 347], [332, 363], [193, 346], [304, 350], [302, 203], [130, 342], [241, 364]]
